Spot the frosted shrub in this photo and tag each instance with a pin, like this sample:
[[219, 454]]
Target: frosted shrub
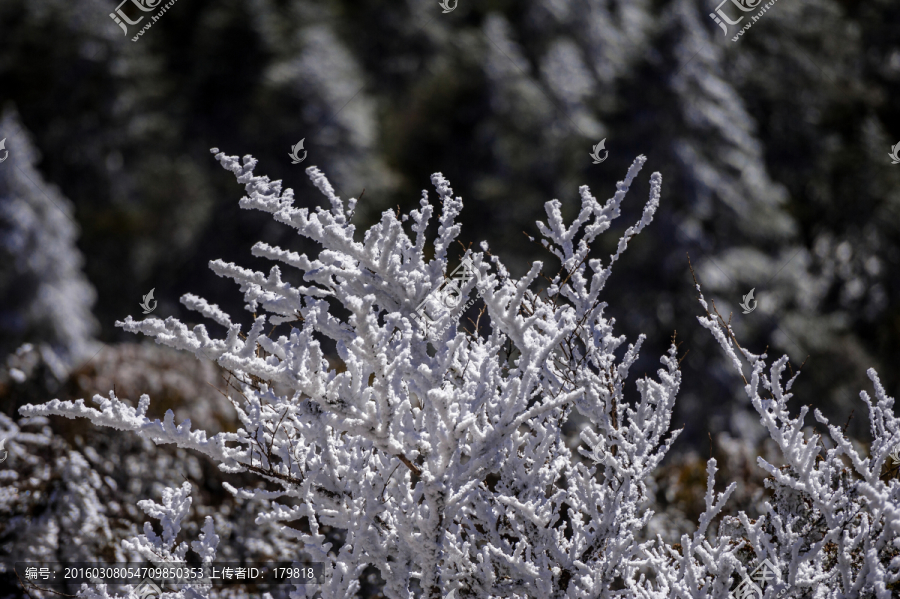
[[78, 500], [439, 451], [832, 528], [48, 510]]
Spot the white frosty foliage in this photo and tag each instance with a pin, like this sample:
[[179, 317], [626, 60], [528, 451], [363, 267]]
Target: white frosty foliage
[[176, 504], [833, 526], [175, 507], [441, 455], [48, 512], [445, 467]]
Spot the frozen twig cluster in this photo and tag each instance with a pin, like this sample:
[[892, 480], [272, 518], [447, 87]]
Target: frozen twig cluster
[[832, 527], [439, 452]]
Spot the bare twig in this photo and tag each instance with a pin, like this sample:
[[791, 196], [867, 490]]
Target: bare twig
[[24, 588], [277, 426], [387, 481], [412, 467], [848, 421], [719, 316], [37, 588], [478, 320], [463, 246], [217, 389]]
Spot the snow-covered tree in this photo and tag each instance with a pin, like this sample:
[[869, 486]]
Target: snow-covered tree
[[439, 451], [45, 299]]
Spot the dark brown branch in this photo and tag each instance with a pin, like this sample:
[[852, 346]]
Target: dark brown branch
[[412, 467], [719, 316], [37, 588], [848, 421]]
